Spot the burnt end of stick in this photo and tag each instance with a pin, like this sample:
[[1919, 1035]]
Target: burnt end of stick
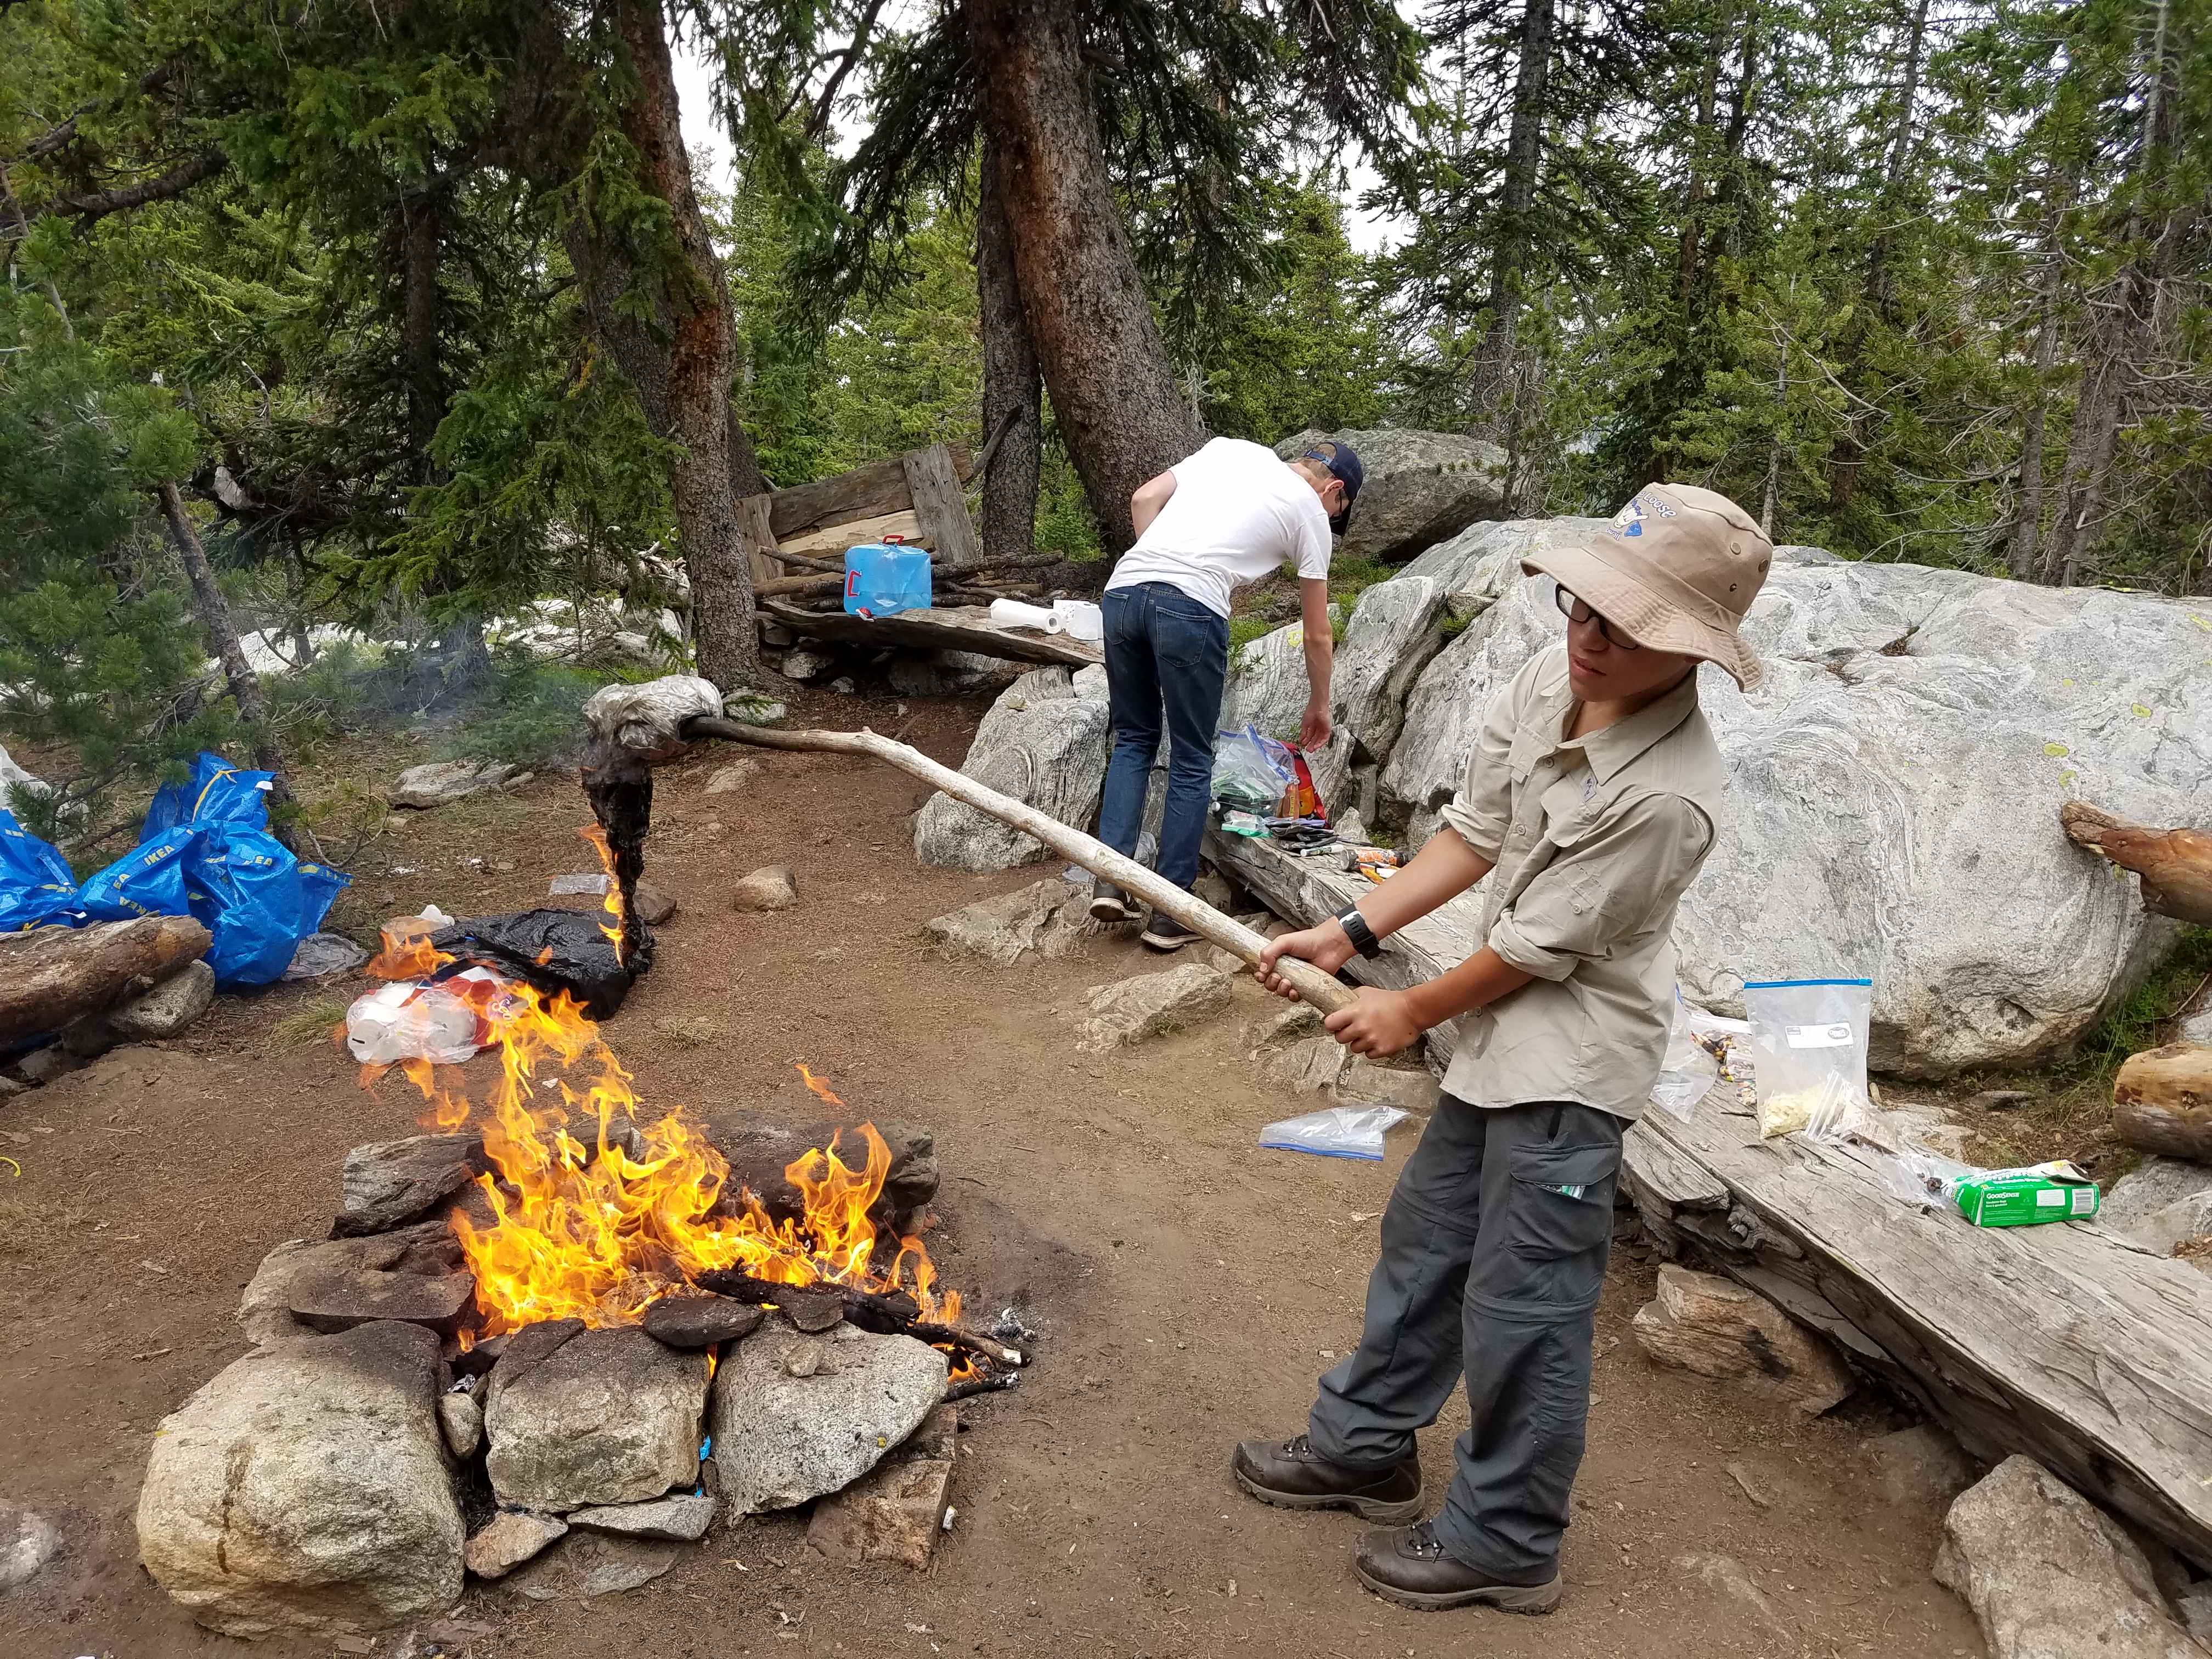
[[618, 783]]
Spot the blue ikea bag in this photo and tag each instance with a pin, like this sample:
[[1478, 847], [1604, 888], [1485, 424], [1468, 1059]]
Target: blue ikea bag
[[37, 886]]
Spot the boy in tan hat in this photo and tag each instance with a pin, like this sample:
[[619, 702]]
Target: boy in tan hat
[[1592, 795]]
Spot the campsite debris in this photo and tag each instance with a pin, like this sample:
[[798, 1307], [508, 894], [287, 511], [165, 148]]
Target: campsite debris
[[1354, 1132], [508, 1540], [2175, 865], [2050, 1576], [1714, 1328], [51, 976], [2162, 1101], [440, 781], [27, 1542], [728, 780], [1919, 1468], [781, 1439], [774, 887], [1046, 919], [592, 884], [556, 951], [356, 1525], [321, 955], [610, 1416], [1151, 1005], [681, 1517]]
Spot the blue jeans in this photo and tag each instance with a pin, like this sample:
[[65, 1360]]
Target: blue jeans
[[1167, 659]]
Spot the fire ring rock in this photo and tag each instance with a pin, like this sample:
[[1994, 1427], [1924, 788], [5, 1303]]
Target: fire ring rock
[[307, 1488], [781, 1439], [610, 1416]]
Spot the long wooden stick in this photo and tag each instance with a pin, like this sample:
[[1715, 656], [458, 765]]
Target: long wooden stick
[[1313, 986]]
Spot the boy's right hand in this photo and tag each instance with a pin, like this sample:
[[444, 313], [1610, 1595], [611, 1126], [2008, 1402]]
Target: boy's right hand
[[1328, 947]]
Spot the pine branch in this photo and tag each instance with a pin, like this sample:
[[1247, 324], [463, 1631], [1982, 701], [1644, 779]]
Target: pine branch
[[91, 208]]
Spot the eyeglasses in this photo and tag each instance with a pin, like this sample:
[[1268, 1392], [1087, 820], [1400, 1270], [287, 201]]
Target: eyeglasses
[[1576, 611]]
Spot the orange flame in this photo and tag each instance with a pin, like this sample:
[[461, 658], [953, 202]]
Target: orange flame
[[613, 905], [407, 953], [598, 1228]]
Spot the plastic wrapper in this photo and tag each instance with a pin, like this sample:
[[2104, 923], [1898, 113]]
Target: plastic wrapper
[[556, 951], [1808, 1045], [402, 1021], [1335, 1132], [1689, 1070], [1251, 771], [320, 955]]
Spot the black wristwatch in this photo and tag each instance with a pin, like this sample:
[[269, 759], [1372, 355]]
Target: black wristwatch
[[1363, 936]]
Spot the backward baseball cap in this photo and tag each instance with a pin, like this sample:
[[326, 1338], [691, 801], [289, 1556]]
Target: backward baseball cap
[[1675, 569], [1343, 462]]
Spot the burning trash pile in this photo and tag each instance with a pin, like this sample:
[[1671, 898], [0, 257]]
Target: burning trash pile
[[548, 1342]]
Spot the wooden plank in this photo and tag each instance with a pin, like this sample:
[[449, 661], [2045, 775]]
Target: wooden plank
[[942, 510], [2064, 1341], [831, 541], [759, 539], [865, 492], [964, 628]]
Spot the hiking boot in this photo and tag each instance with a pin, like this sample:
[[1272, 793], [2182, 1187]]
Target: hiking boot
[[1291, 1475], [1109, 902], [1164, 932], [1410, 1566]]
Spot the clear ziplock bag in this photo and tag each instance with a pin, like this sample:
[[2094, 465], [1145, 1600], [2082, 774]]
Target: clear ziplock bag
[[1691, 1067], [1335, 1131], [1809, 1044]]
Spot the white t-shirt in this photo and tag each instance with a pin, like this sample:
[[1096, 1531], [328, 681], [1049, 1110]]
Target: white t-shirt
[[1238, 511]]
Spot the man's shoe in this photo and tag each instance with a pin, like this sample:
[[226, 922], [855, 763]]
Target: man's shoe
[[1408, 1565], [1164, 932], [1109, 902], [1291, 1475]]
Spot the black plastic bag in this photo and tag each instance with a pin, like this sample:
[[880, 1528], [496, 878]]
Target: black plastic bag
[[554, 951]]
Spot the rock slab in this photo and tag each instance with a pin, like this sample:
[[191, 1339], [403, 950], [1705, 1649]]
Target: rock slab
[[682, 1518], [701, 1321], [2050, 1576], [440, 781], [1044, 743], [1151, 1004], [609, 1417], [461, 1417], [1045, 920], [509, 1539], [894, 1513], [1714, 1328], [167, 1009], [1917, 1467], [584, 1564], [774, 887], [781, 1439], [388, 1184], [1418, 487], [305, 1488], [2161, 1203]]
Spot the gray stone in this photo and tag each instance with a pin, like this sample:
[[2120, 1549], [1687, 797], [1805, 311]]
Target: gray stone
[[584, 1564], [753, 708], [1350, 825], [781, 1439], [683, 1518], [320, 955], [508, 1540], [344, 1281], [28, 1540], [1046, 919], [774, 887], [305, 1488], [461, 1417], [1151, 1005], [701, 1321], [2194, 1606], [933, 673], [440, 781], [2050, 1576], [1715, 1328], [2000, 1100], [1307, 1066], [804, 663], [1225, 961], [45, 1065], [2161, 1203], [167, 1009], [1917, 1467], [1044, 743], [388, 1184], [610, 1416], [1212, 888], [730, 779], [895, 1512], [844, 685], [654, 905], [1417, 488], [1365, 1082], [1726, 1574], [1279, 1030]]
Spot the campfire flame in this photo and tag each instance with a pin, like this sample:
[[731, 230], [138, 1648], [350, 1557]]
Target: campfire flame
[[614, 926], [598, 1229]]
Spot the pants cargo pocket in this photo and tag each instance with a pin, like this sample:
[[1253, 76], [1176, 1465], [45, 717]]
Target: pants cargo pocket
[[1560, 1223]]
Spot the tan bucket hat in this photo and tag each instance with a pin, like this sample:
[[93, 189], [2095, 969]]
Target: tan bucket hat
[[1675, 570]]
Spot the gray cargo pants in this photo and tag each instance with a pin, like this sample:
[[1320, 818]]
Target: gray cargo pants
[[1494, 1247]]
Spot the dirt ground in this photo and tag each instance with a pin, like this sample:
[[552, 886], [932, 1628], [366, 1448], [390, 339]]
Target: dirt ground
[[1187, 1288]]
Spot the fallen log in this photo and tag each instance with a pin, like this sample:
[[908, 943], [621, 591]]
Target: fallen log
[[2175, 865], [1321, 990], [2162, 1101], [52, 975], [967, 629], [2065, 1342]]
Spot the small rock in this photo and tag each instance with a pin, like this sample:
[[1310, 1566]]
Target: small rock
[[729, 780], [937, 1437], [801, 664], [1226, 962], [2050, 1576], [1308, 1065], [753, 708], [2161, 1203], [1048, 919], [388, 1184], [1350, 825], [1213, 887], [893, 1514], [2000, 1100], [1282, 1029], [1151, 1004], [843, 685], [440, 781], [811, 1311], [776, 636], [1917, 1468], [682, 1517], [1726, 1574], [45, 1065], [1714, 1328], [27, 1542], [343, 1279], [609, 1417], [701, 1321], [167, 1009], [461, 1417], [772, 888], [584, 1564], [509, 1539], [1365, 1082], [654, 905], [807, 1359]]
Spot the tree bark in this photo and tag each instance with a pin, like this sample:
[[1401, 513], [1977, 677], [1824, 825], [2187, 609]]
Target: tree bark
[[680, 361], [2027, 528], [420, 363], [1524, 157], [1113, 387], [221, 630], [1011, 383]]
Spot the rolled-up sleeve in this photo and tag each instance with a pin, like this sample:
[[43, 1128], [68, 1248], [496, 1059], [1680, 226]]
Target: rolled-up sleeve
[[1630, 865], [1483, 808]]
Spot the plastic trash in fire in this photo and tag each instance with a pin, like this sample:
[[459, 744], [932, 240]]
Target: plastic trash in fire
[[1335, 1131], [556, 951]]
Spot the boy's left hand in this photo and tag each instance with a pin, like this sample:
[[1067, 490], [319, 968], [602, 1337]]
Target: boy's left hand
[[1376, 1024]]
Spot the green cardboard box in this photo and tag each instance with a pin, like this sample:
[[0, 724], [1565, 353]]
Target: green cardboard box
[[2021, 1198]]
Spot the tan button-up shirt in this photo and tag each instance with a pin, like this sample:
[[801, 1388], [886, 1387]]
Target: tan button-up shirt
[[1595, 840]]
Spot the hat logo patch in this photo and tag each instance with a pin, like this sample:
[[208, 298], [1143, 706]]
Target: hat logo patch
[[1629, 521]]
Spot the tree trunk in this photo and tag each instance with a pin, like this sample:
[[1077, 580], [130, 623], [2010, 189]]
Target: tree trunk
[[1113, 387], [1900, 148], [420, 247], [1524, 156], [680, 359], [1011, 384], [221, 630], [2027, 529]]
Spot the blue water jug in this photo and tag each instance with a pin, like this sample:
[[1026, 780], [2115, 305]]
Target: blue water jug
[[884, 578]]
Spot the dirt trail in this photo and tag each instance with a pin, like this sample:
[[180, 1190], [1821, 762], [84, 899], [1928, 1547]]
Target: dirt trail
[[1188, 1288]]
